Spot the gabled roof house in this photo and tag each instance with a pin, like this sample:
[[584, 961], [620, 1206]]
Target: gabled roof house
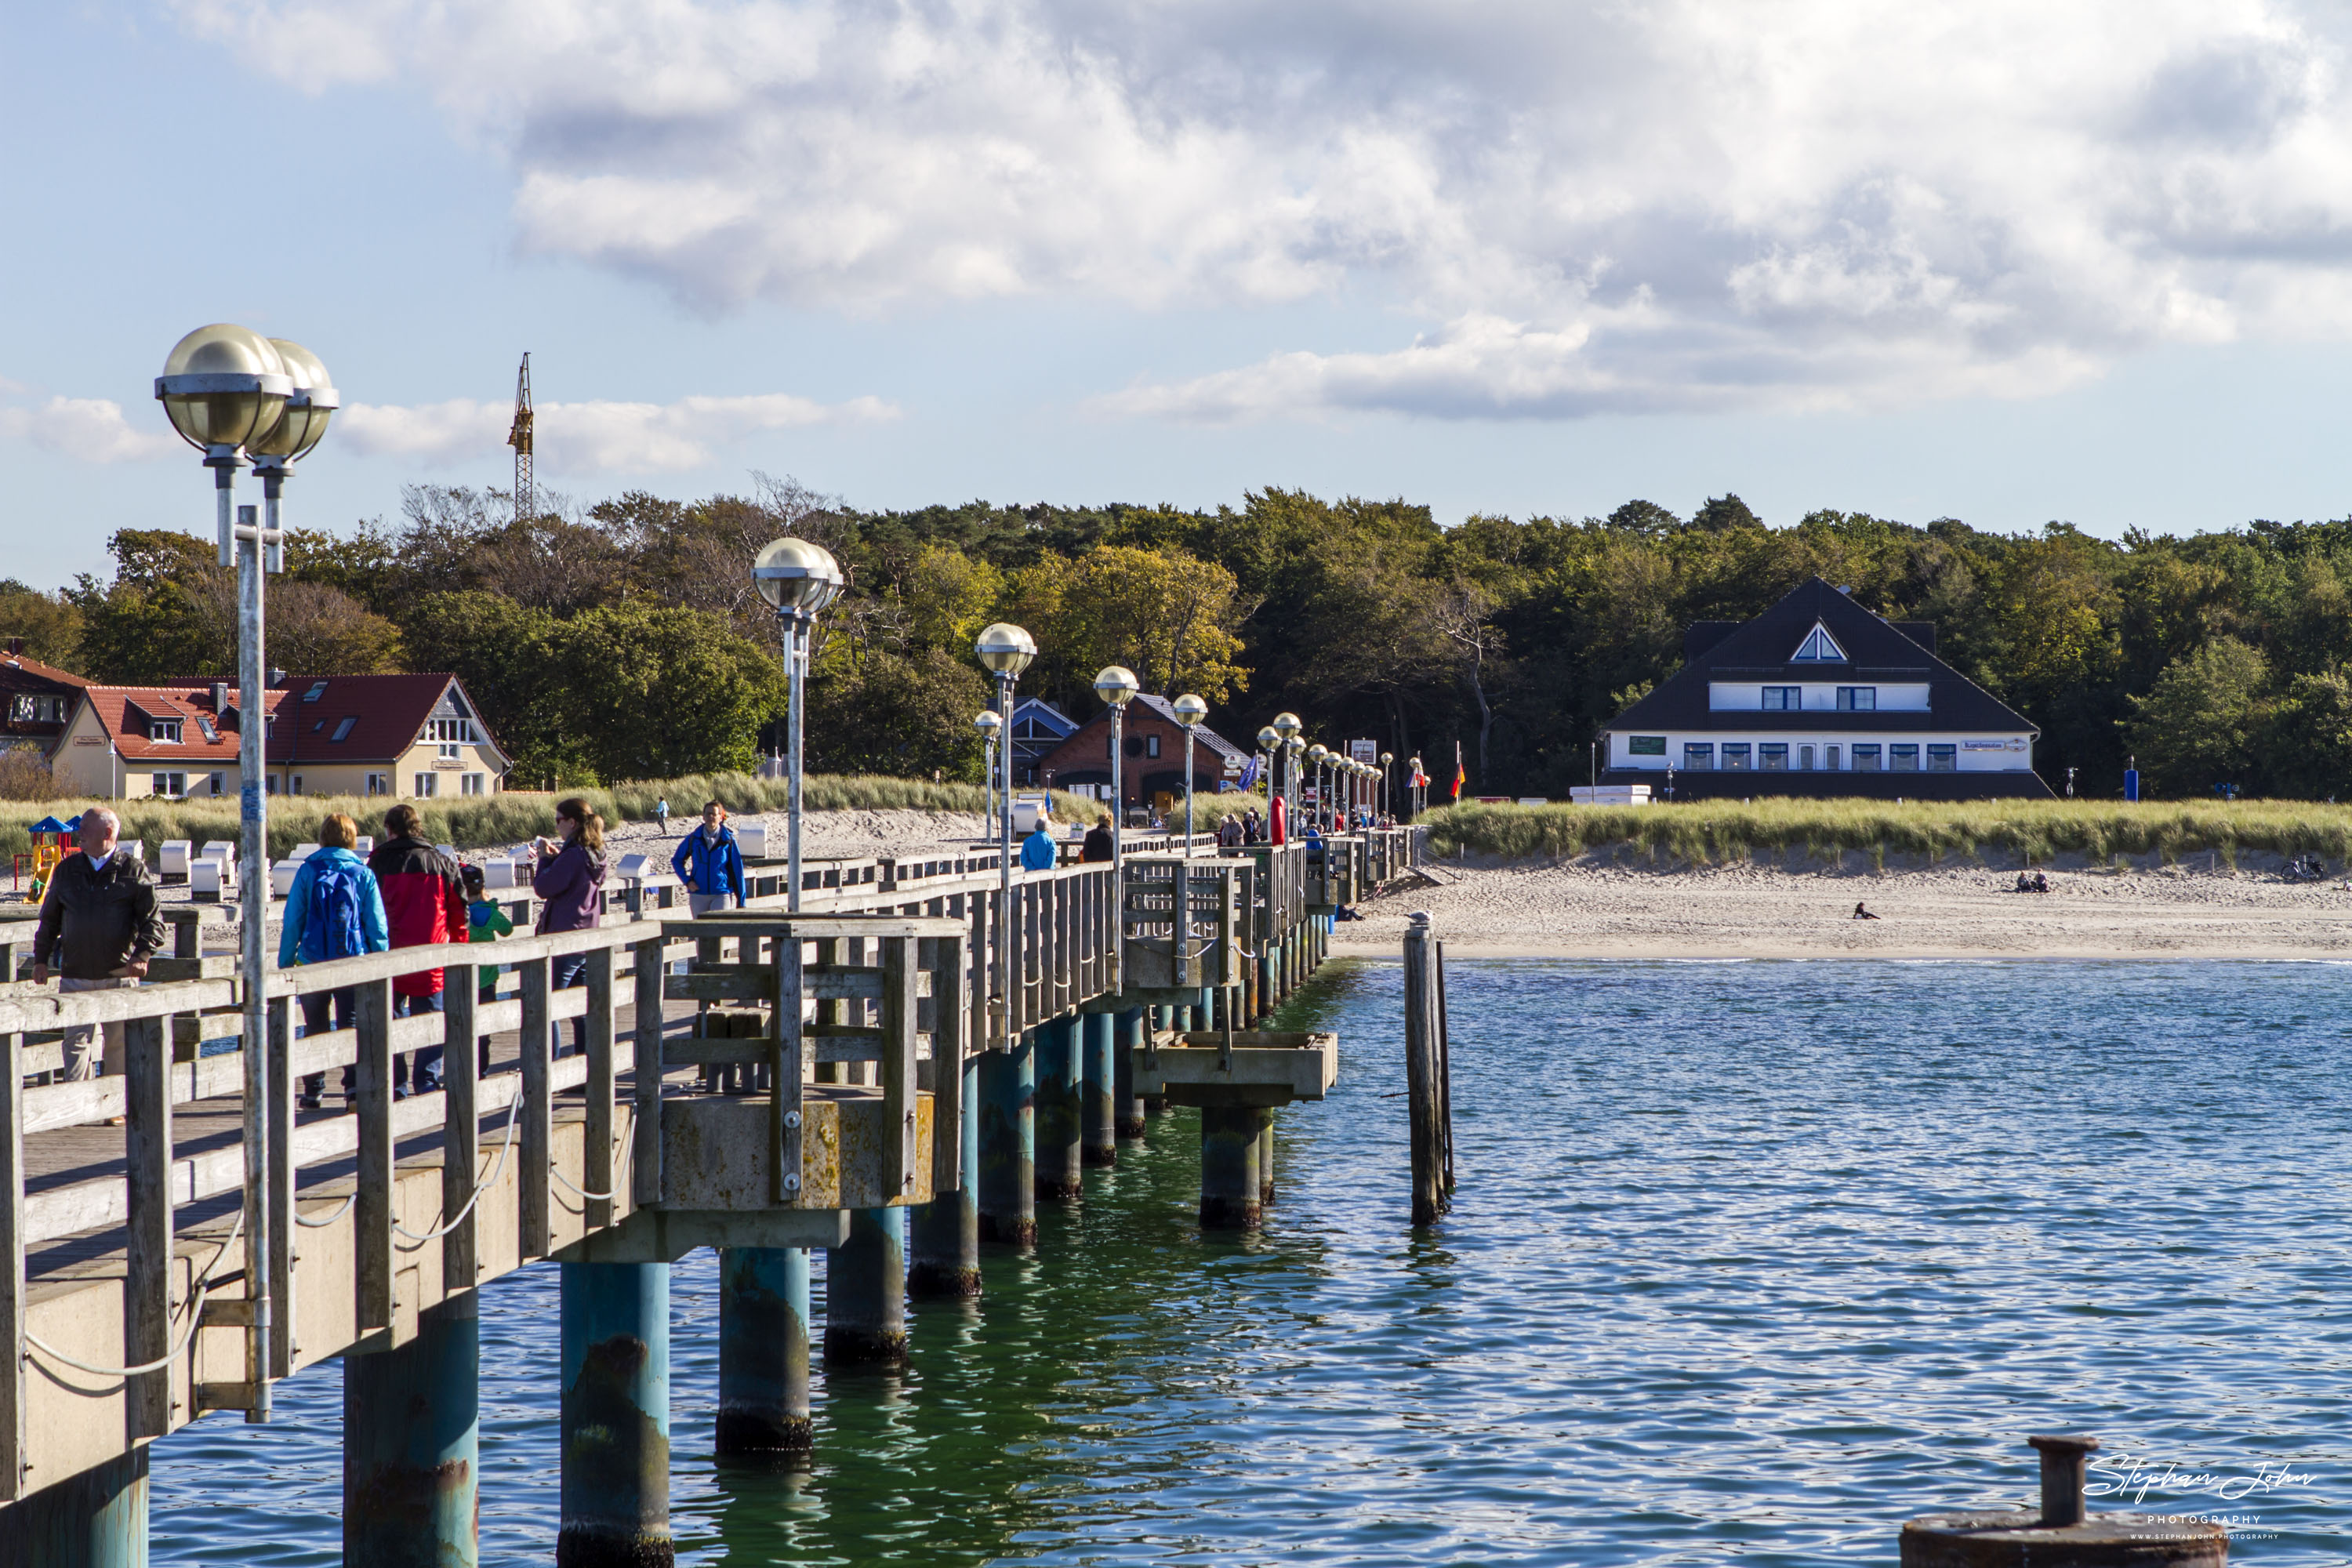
[[409, 736], [1819, 697]]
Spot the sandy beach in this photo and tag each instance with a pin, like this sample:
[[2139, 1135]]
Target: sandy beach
[[1592, 908]]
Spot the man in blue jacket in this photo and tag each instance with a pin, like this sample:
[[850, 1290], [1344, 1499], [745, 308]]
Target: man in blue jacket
[[1038, 851], [709, 864]]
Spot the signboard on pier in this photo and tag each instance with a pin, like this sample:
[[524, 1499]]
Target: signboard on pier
[[1364, 751]]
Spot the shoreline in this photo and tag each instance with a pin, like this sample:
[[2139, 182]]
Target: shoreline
[[1600, 908]]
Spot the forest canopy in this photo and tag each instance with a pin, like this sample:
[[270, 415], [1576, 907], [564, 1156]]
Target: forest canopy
[[623, 639]]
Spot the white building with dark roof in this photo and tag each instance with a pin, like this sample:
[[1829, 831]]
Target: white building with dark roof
[[1819, 697]]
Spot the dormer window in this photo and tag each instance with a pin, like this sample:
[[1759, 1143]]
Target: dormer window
[[163, 730], [1819, 648]]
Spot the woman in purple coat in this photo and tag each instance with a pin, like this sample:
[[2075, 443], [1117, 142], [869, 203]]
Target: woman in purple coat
[[570, 884]]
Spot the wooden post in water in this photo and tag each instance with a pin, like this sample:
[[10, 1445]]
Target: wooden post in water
[[1423, 1069]]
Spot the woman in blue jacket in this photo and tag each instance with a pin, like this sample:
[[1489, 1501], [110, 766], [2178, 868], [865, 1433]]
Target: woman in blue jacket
[[709, 864], [335, 910]]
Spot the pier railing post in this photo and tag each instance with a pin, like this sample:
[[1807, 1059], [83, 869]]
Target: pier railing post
[[279, 1258], [150, 1269], [651, 954], [535, 1121], [371, 1213]]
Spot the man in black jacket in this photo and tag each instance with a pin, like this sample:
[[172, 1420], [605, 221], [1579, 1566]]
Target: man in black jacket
[[99, 925]]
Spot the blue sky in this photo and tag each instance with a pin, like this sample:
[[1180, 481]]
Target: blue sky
[[1981, 260]]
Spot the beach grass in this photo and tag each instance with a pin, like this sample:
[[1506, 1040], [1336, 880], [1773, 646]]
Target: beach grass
[[1711, 832], [477, 822]]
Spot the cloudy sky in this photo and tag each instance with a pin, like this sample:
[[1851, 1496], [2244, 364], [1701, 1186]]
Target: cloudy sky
[[2002, 260]]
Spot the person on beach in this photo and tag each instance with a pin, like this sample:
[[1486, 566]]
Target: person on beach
[[99, 908], [569, 883], [661, 816], [334, 909], [1038, 852], [485, 922], [710, 864], [1095, 850], [1862, 914], [426, 903]]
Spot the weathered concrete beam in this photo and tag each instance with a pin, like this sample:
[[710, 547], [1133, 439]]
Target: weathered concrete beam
[[1266, 1068], [717, 1150]]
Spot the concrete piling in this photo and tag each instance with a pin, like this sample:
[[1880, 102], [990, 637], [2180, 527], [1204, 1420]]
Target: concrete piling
[[1099, 1090], [1060, 1141], [943, 1236], [1228, 1167], [763, 1353], [615, 1416], [94, 1519], [1008, 1195], [1130, 1036], [866, 1292], [412, 1445], [1265, 1114]]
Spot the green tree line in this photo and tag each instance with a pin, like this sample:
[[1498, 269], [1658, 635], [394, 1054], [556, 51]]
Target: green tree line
[[623, 639]]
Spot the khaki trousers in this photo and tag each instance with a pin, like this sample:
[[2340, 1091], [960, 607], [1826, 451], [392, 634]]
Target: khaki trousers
[[79, 1063]]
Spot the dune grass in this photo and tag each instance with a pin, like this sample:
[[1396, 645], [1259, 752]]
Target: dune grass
[[475, 822], [1702, 832]]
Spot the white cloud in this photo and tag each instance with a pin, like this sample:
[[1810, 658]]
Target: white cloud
[[91, 429], [1679, 204], [590, 438]]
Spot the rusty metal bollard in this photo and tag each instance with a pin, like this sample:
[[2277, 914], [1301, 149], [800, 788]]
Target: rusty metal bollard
[[2063, 1535]]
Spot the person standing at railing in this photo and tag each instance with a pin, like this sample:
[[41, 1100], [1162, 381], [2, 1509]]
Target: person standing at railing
[[1038, 851], [571, 887], [334, 909], [99, 924], [710, 864], [426, 898], [1095, 850], [485, 922]]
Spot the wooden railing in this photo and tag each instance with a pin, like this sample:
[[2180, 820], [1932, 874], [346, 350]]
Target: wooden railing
[[891, 967]]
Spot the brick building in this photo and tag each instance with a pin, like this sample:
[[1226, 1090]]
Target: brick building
[[1154, 768]]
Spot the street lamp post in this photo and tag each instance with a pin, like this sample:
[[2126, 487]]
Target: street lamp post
[[1117, 685], [1006, 650], [1287, 726], [1269, 745], [1316, 756], [225, 388], [987, 724], [799, 580], [1190, 711], [1413, 786], [1388, 760]]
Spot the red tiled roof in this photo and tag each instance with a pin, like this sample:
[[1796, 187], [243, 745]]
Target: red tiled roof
[[35, 667], [119, 711], [387, 713]]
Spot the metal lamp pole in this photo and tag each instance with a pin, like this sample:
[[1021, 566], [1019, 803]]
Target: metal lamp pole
[[1117, 685], [1190, 711], [1006, 650], [1315, 753], [987, 724], [799, 579], [1388, 760], [1287, 726], [226, 388]]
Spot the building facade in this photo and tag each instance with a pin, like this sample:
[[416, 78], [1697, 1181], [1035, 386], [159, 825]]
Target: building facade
[[1819, 697], [1153, 769], [411, 737]]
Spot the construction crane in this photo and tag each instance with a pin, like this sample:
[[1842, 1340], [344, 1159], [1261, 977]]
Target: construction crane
[[520, 439]]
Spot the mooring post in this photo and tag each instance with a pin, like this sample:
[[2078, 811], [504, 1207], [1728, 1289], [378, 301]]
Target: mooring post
[[1129, 1035], [943, 1236], [1228, 1167], [615, 1416], [1422, 1032], [411, 1445], [866, 1292], [1101, 1092], [1060, 1144], [94, 1519], [1007, 1184], [763, 1352]]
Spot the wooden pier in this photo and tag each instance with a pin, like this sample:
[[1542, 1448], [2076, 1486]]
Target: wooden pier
[[915, 1043]]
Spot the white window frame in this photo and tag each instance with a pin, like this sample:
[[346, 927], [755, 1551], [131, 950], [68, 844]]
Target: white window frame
[[424, 786], [379, 784], [473, 784], [171, 786], [1819, 648], [165, 732]]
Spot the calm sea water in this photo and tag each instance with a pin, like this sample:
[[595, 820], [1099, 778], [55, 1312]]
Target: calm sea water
[[1750, 1263]]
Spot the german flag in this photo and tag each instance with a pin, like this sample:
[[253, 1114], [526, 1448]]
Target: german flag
[[1460, 777]]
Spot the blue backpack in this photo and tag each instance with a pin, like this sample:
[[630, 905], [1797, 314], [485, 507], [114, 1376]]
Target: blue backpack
[[331, 927]]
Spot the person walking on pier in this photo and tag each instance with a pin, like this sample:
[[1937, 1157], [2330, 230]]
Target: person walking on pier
[[710, 864], [425, 900], [1097, 849], [571, 885], [99, 908], [334, 909]]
